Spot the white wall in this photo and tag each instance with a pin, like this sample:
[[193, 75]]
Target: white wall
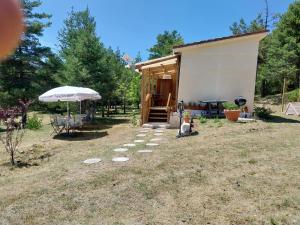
[[221, 70]]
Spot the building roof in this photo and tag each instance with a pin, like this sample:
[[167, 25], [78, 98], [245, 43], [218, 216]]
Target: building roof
[[168, 59], [220, 39]]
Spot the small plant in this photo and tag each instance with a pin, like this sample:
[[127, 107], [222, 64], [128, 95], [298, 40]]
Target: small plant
[[134, 119], [293, 96], [12, 137], [230, 106], [202, 119], [217, 120], [34, 123], [262, 112], [186, 116]]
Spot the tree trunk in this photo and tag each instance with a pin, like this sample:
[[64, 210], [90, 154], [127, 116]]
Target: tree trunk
[[263, 88], [108, 108], [12, 158], [124, 105], [102, 111]]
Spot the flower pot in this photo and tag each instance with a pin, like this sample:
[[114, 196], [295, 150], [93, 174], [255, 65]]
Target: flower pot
[[232, 115]]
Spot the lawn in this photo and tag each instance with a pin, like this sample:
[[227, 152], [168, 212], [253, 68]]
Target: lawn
[[229, 173]]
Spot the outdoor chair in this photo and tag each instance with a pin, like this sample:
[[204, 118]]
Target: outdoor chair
[[58, 123]]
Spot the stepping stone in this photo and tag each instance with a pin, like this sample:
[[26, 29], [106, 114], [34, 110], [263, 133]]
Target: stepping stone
[[145, 151], [92, 161], [139, 141], [144, 131], [159, 131], [158, 134], [141, 135], [152, 144], [156, 139], [129, 145], [120, 159], [121, 150]]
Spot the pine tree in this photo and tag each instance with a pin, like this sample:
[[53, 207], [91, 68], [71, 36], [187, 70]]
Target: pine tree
[[86, 61], [165, 44]]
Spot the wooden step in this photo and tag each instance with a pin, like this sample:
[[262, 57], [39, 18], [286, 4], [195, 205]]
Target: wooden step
[[159, 108], [157, 118], [158, 113]]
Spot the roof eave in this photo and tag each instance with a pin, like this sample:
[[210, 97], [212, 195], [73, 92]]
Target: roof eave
[[178, 49]]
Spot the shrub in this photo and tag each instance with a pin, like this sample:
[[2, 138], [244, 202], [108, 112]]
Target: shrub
[[293, 96], [34, 123], [134, 119], [202, 119], [262, 112], [230, 106]]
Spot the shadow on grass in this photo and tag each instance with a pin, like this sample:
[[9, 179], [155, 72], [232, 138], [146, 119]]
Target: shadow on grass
[[110, 121], [280, 119], [80, 136], [19, 164]]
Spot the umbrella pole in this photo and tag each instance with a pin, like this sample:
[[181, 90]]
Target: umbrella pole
[[80, 108]]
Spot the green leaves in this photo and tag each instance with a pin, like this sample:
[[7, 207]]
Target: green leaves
[[165, 44]]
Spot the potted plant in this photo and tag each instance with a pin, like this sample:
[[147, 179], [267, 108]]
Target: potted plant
[[231, 111], [186, 117]]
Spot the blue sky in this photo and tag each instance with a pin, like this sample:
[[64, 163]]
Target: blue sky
[[133, 25]]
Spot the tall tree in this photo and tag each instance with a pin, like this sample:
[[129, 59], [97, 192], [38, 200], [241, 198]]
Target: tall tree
[[242, 27], [283, 58], [86, 62], [19, 75], [165, 44]]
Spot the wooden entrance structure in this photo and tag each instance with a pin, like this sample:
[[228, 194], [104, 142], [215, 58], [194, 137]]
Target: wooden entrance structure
[[159, 88]]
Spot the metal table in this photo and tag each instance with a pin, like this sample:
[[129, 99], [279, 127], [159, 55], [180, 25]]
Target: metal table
[[218, 111]]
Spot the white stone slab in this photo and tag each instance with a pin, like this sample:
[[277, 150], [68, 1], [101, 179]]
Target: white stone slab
[[129, 145], [144, 131], [152, 144], [159, 131], [141, 135], [145, 151], [139, 141], [156, 139], [120, 159], [121, 150], [158, 134], [92, 161]]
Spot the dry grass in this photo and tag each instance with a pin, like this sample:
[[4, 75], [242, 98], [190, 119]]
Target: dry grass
[[228, 174]]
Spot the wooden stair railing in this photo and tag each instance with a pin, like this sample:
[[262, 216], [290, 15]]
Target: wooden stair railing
[[168, 106], [147, 107]]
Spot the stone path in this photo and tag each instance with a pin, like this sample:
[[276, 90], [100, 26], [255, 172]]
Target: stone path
[[152, 144], [120, 159], [92, 161], [145, 151], [129, 145], [120, 149], [145, 132]]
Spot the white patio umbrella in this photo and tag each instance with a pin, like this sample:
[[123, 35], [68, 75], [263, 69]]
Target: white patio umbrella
[[69, 94]]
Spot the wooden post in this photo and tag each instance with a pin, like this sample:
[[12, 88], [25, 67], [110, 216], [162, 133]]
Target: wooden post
[[283, 94]]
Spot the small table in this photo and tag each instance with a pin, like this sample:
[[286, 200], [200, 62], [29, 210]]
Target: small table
[[219, 110]]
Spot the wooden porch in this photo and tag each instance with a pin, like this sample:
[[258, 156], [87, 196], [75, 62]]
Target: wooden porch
[[159, 88]]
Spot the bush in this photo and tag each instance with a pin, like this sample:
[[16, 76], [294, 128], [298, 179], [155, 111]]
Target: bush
[[262, 112], [230, 106], [293, 96], [202, 119], [34, 123], [134, 119]]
